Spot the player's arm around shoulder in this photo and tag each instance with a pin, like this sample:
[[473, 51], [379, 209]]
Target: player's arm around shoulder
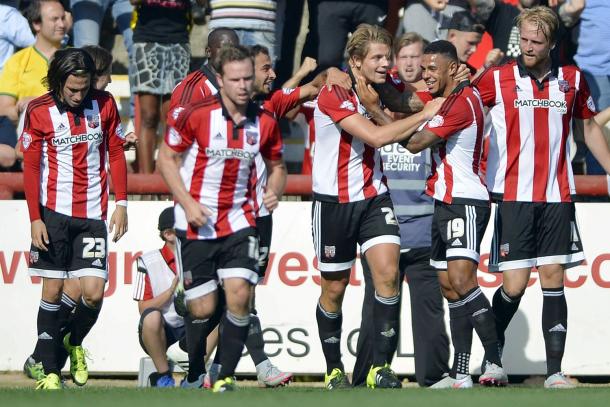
[[485, 84], [450, 118], [343, 112]]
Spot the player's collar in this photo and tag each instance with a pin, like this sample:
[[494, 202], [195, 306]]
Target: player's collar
[[460, 86], [524, 73], [210, 73], [63, 107], [260, 98], [252, 111]]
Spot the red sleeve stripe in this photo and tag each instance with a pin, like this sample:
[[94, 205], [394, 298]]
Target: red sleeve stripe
[[448, 104], [475, 83], [191, 108], [189, 87], [343, 94], [41, 101]]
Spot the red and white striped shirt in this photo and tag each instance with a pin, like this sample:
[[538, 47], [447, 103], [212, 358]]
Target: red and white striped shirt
[[345, 169], [194, 88], [455, 168], [66, 154], [155, 275], [529, 157], [218, 162], [307, 110], [279, 103]]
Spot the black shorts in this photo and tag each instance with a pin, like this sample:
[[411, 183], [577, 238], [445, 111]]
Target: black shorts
[[339, 227], [77, 248], [264, 226], [457, 231], [172, 334], [528, 234], [206, 262]]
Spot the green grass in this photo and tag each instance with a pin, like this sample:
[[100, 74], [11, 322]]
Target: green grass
[[301, 396]]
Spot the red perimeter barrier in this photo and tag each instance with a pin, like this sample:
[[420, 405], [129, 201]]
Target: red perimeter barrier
[[144, 184]]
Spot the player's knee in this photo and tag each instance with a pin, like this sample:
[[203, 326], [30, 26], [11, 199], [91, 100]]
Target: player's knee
[[461, 284], [93, 300], [238, 299], [153, 321], [51, 290], [200, 310], [449, 293], [7, 158], [334, 292], [514, 291], [389, 281], [551, 276]]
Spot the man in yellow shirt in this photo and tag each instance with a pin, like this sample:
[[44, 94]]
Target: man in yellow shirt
[[21, 77]]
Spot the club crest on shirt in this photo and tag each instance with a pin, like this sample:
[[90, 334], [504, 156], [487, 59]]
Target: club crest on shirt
[[591, 104], [93, 120], [564, 86], [436, 121], [173, 137], [26, 140], [347, 104], [251, 137], [176, 112], [120, 133]]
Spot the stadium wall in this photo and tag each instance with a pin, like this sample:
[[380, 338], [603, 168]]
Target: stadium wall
[[287, 298]]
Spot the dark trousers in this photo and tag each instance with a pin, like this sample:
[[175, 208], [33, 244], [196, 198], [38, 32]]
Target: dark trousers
[[331, 21], [427, 314]]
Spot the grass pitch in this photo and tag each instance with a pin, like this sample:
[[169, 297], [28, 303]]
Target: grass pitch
[[305, 396]]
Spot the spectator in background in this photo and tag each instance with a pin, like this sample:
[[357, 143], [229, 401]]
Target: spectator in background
[[466, 34], [330, 22], [426, 17], [160, 60], [499, 19], [15, 32], [252, 20], [202, 83], [408, 53], [21, 78], [593, 57], [88, 15]]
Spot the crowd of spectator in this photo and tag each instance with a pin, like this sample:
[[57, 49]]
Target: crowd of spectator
[[156, 35]]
